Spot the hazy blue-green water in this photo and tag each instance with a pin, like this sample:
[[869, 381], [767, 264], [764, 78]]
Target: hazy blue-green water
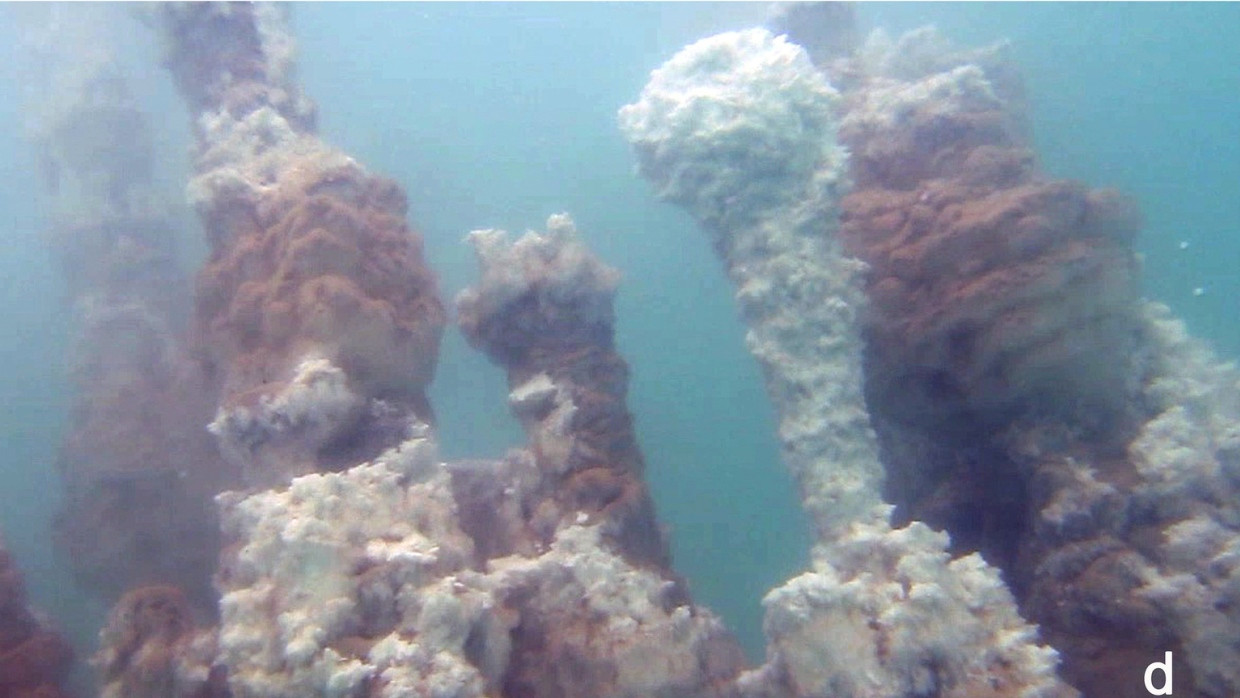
[[497, 115]]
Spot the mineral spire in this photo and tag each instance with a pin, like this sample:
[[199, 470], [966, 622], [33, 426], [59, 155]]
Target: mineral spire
[[138, 469], [316, 309], [741, 130]]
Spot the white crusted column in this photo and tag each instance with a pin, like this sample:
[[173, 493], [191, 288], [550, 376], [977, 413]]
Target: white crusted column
[[739, 129]]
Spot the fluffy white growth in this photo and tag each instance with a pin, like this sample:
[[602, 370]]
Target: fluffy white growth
[[1184, 373], [243, 158], [735, 124], [1188, 455], [1190, 448], [920, 53], [347, 555], [376, 552], [1077, 507], [417, 669], [534, 395], [650, 650], [275, 55], [882, 106], [547, 410], [1198, 587], [245, 154], [555, 261], [740, 130], [245, 151], [279, 48], [889, 615], [284, 430]]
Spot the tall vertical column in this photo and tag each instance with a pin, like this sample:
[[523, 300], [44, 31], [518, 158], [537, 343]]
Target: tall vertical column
[[138, 468], [740, 129], [316, 308]]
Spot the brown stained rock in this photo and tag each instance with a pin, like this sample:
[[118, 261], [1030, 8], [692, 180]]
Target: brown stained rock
[[992, 288], [34, 660], [565, 644], [543, 310], [1000, 331], [150, 648], [311, 260], [1087, 597], [554, 656], [987, 302], [581, 431], [330, 266], [143, 628], [928, 146], [223, 60]]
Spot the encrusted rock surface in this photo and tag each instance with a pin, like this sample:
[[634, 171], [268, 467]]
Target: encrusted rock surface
[[952, 341], [1134, 545], [543, 573], [740, 129], [1025, 400], [311, 257], [343, 585], [367, 583], [992, 289], [152, 647], [543, 310]]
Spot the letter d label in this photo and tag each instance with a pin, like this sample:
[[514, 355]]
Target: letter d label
[[1149, 677]]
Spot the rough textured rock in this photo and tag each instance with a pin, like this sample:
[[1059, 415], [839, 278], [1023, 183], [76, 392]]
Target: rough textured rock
[[33, 658], [405, 576], [368, 583], [343, 585], [950, 373], [740, 129], [1134, 543], [593, 624], [887, 616], [311, 258], [1024, 400], [992, 290], [151, 647], [543, 310]]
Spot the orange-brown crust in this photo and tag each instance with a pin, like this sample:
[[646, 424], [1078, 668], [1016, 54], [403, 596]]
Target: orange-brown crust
[[330, 267]]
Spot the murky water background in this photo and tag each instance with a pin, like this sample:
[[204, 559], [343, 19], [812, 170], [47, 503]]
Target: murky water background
[[497, 115]]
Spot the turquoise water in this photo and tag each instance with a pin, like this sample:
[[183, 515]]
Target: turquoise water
[[498, 115]]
